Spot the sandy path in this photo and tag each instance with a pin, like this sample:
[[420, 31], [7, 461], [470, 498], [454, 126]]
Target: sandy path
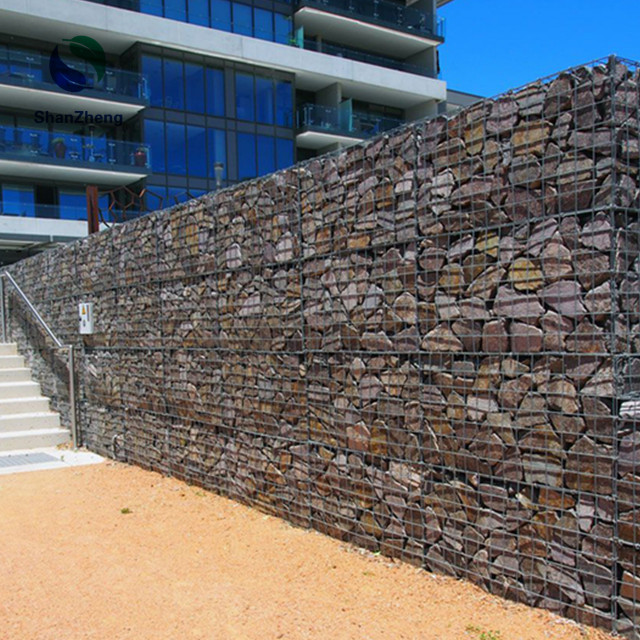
[[186, 564]]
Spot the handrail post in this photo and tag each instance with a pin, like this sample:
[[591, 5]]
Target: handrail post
[[72, 398], [3, 310]]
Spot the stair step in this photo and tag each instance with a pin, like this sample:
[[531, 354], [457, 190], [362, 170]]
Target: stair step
[[11, 362], [8, 349], [34, 439], [21, 389], [22, 374], [33, 404], [29, 421]]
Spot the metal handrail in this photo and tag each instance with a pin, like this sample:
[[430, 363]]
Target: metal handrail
[[52, 335]]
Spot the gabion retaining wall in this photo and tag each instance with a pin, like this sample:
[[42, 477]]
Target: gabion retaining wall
[[426, 344]]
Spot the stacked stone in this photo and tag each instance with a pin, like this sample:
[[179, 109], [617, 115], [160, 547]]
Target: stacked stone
[[426, 344]]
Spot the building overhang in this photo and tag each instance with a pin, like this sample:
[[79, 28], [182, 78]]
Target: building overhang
[[17, 233], [361, 34], [33, 99], [102, 175], [117, 29], [313, 139]]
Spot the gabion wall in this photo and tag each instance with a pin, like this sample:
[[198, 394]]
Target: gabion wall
[[426, 344]]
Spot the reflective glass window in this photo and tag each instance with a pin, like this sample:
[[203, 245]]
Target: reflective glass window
[[215, 92], [284, 104], [283, 28], [173, 84], [72, 204], [263, 21], [264, 100], [221, 14], [242, 19], [246, 156], [284, 150], [152, 72], [152, 7], [18, 200], [194, 82], [245, 109], [217, 151], [154, 137], [266, 155], [176, 158], [175, 9], [199, 12], [197, 151]]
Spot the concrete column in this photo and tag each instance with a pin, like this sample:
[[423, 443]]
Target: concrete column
[[330, 96], [426, 109]]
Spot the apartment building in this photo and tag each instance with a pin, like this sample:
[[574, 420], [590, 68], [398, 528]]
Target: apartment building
[[151, 102]]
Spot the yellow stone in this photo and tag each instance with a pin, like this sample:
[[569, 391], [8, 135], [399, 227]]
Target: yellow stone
[[525, 276]]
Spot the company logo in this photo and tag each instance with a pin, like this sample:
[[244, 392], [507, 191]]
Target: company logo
[[70, 79]]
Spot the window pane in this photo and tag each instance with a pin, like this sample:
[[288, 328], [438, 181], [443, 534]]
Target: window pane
[[194, 76], [215, 92], [264, 100], [176, 161], [266, 155], [154, 137], [284, 104], [174, 87], [283, 28], [199, 12], [284, 149], [246, 156], [175, 9], [263, 24], [221, 14], [244, 97], [217, 151], [152, 71], [18, 200], [197, 150], [242, 19], [152, 7], [72, 205]]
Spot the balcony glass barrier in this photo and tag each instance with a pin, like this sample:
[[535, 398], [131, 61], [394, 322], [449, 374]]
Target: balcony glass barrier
[[334, 120], [360, 56], [65, 212], [34, 145], [31, 69], [384, 13]]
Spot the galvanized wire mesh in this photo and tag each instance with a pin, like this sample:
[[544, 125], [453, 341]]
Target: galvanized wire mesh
[[426, 344]]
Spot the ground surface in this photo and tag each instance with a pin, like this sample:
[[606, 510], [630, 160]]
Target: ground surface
[[180, 564]]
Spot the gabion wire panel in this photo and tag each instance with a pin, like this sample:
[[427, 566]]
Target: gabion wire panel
[[427, 344]]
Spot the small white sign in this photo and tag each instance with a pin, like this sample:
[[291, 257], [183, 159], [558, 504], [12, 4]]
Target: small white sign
[[85, 310]]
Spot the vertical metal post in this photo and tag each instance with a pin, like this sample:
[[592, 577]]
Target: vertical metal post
[[3, 310], [93, 221], [72, 398]]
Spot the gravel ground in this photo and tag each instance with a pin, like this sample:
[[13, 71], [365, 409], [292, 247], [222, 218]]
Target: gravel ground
[[113, 552]]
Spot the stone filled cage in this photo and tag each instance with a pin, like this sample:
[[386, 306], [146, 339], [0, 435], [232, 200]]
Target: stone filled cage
[[426, 344]]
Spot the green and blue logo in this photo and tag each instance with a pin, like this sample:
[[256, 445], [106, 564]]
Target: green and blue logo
[[70, 79]]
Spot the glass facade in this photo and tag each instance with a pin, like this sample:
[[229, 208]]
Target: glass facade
[[205, 112]]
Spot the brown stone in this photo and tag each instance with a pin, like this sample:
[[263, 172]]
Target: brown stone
[[525, 338], [564, 297], [441, 339], [511, 304], [495, 338], [556, 261], [530, 137]]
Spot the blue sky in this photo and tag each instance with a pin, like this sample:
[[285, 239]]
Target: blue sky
[[495, 45]]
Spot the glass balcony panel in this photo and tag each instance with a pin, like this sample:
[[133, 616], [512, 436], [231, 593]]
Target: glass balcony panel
[[31, 69], [32, 145], [332, 120]]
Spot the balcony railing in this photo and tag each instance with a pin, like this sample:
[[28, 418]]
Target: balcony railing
[[76, 213], [342, 122], [383, 13], [32, 145], [23, 68], [361, 56]]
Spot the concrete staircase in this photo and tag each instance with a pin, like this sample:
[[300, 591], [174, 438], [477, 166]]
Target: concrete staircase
[[26, 422]]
